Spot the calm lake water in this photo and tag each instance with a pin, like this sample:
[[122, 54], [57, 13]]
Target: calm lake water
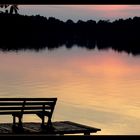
[[95, 88]]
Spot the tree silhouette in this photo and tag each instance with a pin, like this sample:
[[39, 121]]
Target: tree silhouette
[[13, 8]]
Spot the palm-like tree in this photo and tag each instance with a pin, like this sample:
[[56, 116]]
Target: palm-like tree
[[13, 8], [4, 6]]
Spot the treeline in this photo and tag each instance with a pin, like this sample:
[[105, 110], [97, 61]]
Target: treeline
[[37, 32]]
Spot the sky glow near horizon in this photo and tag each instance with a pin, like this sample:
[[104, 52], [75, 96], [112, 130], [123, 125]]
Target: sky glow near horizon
[[82, 12]]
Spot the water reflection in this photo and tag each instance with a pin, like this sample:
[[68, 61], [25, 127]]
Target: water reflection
[[127, 45], [97, 88]]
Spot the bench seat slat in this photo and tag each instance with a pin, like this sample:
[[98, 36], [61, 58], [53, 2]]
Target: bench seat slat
[[25, 112], [27, 103], [28, 99], [25, 108]]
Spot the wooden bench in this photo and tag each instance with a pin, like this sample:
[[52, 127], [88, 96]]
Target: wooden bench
[[42, 107]]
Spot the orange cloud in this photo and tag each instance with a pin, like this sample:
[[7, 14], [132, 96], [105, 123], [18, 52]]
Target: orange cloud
[[100, 7]]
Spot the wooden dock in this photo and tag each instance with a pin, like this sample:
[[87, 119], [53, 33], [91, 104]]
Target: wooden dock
[[59, 128]]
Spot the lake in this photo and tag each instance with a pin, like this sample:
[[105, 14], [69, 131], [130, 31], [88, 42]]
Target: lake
[[99, 88]]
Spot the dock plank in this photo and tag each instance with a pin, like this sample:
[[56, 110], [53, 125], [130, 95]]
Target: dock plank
[[59, 128]]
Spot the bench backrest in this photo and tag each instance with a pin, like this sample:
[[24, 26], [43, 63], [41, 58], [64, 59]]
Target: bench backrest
[[27, 105]]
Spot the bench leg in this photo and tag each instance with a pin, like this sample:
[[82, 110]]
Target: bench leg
[[42, 117], [49, 123], [14, 120], [19, 121], [43, 121], [87, 133]]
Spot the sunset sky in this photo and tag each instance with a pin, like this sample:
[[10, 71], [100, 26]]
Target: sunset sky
[[83, 12]]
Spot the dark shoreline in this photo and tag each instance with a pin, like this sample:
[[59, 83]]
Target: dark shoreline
[[38, 32]]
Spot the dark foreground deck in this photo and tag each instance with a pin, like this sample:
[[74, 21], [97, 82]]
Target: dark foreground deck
[[59, 128]]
